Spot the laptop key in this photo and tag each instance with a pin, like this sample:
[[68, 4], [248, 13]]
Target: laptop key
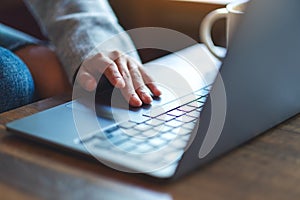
[[144, 148], [176, 113], [170, 106], [112, 129], [157, 142], [154, 122], [194, 114], [163, 128], [142, 127], [178, 143], [202, 92], [150, 133], [194, 104], [182, 131], [186, 108], [165, 117], [127, 146], [168, 136], [185, 119], [118, 139], [140, 119], [127, 124], [174, 123], [189, 126], [131, 132], [202, 99]]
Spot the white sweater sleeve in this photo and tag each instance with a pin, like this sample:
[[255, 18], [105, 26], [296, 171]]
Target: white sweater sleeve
[[80, 28]]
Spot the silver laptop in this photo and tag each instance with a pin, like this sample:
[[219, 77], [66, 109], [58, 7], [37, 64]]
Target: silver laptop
[[203, 112]]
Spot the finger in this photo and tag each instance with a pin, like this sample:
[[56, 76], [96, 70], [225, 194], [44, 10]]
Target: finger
[[101, 64], [138, 83], [154, 89], [128, 91], [86, 80], [113, 75], [130, 95], [149, 81]]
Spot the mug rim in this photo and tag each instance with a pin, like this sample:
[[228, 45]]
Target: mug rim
[[231, 6]]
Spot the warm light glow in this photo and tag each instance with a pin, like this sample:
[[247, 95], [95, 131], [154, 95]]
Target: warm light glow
[[209, 1]]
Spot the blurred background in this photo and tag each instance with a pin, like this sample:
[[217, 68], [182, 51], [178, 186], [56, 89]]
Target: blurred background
[[184, 16]]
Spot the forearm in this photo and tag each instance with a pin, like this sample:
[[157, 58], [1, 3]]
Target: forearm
[[77, 27]]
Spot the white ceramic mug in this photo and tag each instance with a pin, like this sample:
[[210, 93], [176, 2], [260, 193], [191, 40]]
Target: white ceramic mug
[[232, 13]]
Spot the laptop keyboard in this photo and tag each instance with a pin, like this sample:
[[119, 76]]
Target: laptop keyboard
[[168, 131]]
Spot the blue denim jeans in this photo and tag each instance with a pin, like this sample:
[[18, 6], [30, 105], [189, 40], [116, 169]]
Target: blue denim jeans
[[16, 83]]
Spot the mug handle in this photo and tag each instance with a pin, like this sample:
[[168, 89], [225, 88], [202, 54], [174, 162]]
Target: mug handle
[[206, 27]]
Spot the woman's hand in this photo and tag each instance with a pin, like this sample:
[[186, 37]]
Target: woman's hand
[[123, 72]]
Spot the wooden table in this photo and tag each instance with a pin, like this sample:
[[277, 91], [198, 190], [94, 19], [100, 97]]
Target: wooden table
[[267, 167]]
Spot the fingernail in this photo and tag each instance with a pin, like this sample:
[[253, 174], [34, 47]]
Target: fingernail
[[157, 92], [135, 101], [90, 85], [146, 98], [119, 82]]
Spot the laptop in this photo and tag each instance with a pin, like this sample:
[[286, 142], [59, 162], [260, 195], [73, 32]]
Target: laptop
[[204, 111]]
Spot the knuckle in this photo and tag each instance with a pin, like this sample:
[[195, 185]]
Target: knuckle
[[125, 74], [103, 60], [136, 74], [99, 55], [132, 65], [116, 54], [141, 89]]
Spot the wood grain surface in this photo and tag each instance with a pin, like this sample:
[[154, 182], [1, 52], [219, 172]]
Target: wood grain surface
[[268, 167]]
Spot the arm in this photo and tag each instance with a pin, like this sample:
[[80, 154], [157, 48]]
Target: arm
[[81, 31]]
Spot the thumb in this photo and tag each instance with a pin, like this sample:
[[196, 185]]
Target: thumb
[[86, 81]]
